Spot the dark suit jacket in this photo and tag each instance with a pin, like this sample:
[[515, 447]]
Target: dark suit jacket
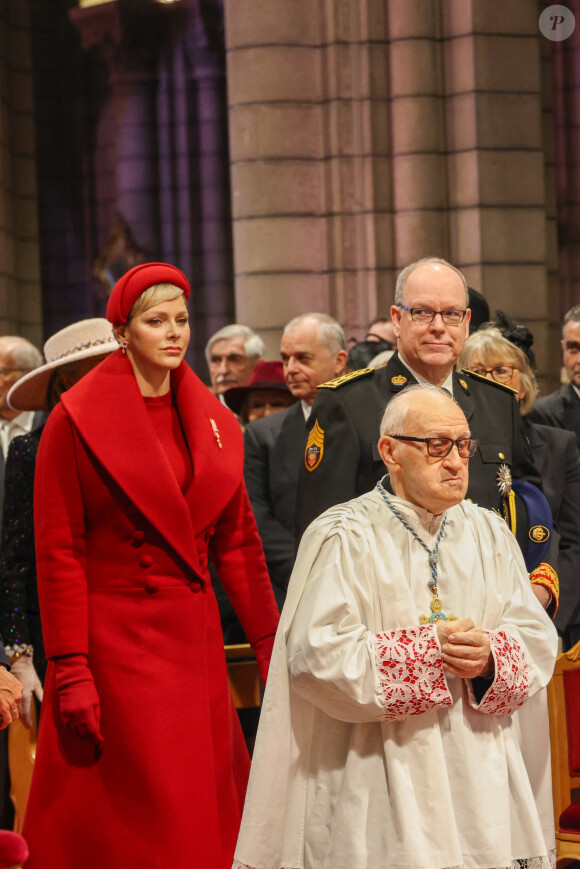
[[37, 421], [20, 610], [560, 409], [273, 451], [558, 460], [350, 416]]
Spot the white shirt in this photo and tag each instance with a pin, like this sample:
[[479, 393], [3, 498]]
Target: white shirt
[[12, 428]]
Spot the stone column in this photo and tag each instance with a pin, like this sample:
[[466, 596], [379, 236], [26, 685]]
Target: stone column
[[20, 294], [498, 203], [420, 181], [308, 149], [367, 134]]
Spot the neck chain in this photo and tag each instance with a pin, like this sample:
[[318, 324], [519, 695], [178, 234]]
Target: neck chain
[[437, 613]]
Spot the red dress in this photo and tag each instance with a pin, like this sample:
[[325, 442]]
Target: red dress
[[122, 569]]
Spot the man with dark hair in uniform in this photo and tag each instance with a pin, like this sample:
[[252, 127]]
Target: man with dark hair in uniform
[[431, 319]]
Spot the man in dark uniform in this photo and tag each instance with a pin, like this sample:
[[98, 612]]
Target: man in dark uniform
[[561, 409], [431, 320]]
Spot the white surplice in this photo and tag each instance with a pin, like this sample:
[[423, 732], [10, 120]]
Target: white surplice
[[368, 756]]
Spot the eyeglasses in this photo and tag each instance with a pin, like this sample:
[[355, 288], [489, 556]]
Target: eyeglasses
[[439, 448], [499, 373], [451, 316]]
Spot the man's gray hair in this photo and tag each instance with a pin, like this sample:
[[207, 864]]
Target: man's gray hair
[[573, 316], [425, 261], [24, 354], [330, 332], [253, 344], [395, 415]]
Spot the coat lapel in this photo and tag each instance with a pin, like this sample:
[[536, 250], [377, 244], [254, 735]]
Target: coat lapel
[[462, 395], [394, 377], [292, 439], [109, 413], [215, 442]]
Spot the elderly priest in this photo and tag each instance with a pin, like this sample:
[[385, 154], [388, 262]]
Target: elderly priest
[[410, 656]]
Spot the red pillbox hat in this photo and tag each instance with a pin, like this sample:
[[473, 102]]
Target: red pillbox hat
[[134, 282]]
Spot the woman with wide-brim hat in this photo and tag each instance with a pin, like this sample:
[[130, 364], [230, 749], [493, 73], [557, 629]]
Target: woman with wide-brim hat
[[69, 354], [141, 760]]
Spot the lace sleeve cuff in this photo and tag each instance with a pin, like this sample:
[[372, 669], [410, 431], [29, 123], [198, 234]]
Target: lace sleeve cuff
[[410, 672], [510, 686]]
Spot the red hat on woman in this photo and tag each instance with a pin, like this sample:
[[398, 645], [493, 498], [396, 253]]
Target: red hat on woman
[[134, 282]]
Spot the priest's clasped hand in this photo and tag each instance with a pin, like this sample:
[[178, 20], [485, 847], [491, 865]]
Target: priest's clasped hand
[[465, 649]]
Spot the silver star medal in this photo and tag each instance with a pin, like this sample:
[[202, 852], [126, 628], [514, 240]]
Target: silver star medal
[[504, 480]]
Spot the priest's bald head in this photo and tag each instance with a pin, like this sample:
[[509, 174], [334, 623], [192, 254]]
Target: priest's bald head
[[426, 446]]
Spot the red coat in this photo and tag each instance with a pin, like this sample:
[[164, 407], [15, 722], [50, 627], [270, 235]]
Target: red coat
[[122, 571]]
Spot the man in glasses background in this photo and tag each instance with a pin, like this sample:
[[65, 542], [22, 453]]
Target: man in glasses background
[[431, 318], [561, 409]]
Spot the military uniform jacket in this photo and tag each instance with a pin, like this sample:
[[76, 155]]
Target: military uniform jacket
[[342, 460]]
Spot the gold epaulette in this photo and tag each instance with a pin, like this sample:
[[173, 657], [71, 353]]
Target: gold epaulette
[[488, 380], [346, 378], [545, 575]]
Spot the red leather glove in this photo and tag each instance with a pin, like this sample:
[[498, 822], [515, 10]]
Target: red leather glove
[[80, 709], [263, 649]]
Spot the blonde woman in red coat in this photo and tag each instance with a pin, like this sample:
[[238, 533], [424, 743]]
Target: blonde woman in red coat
[[141, 763]]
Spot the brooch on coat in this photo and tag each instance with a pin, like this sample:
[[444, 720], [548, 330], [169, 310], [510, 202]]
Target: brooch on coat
[[216, 432]]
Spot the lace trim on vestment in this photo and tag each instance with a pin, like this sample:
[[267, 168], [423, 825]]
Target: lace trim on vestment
[[410, 672], [546, 862], [510, 687]]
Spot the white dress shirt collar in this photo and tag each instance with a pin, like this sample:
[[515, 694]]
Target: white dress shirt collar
[[448, 385]]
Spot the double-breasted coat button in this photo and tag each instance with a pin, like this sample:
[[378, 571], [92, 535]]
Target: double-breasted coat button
[[146, 561], [196, 587], [138, 538], [151, 587]]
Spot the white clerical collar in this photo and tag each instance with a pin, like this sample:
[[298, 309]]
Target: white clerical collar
[[418, 518], [448, 385], [306, 409]]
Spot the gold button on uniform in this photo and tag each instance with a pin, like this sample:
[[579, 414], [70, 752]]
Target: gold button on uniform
[[501, 456]]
